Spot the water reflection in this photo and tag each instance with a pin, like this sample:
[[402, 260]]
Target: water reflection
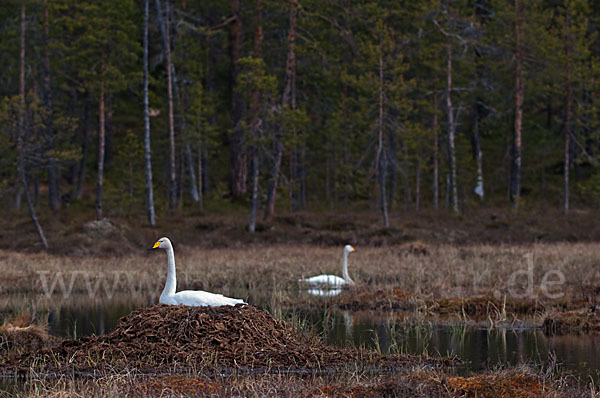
[[480, 348], [323, 292]]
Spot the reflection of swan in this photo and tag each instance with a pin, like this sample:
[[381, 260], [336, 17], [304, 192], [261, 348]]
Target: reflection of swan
[[348, 323], [324, 292], [197, 298], [333, 280]]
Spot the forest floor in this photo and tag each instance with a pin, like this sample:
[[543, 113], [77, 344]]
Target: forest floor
[[490, 268]]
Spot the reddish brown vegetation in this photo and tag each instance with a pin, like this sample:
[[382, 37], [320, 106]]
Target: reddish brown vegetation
[[425, 383], [176, 385], [513, 386]]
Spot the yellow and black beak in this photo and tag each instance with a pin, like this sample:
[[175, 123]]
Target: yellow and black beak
[[155, 246]]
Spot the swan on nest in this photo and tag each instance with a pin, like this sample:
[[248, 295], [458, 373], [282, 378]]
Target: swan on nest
[[196, 298]]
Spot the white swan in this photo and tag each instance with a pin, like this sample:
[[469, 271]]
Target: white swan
[[333, 280], [196, 298]]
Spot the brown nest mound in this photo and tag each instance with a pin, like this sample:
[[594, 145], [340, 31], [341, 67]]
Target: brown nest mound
[[162, 337]]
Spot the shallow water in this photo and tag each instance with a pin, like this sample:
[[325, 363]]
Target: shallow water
[[479, 348]]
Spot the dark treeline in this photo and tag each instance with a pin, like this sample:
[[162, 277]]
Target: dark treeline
[[137, 104]]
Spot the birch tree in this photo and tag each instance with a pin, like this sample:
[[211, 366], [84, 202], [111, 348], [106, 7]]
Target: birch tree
[[147, 151]]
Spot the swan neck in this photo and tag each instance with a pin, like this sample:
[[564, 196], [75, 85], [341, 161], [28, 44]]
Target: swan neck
[[345, 269], [171, 283]]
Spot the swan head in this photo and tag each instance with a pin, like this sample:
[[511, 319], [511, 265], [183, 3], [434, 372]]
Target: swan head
[[348, 249], [162, 243]]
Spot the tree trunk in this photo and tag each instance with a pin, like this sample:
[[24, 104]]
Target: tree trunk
[[101, 137], [21, 160], [147, 148], [515, 183], [289, 98], [270, 205], [406, 176], [108, 133], [36, 190], [164, 27], [328, 182], [200, 178], [254, 125], [436, 156], [304, 178], [380, 161], [382, 174], [254, 197], [568, 123], [172, 168], [478, 154], [392, 168], [189, 158], [418, 184], [238, 155], [84, 152], [451, 130], [53, 189]]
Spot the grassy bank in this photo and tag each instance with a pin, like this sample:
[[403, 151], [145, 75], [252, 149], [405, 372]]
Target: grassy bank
[[529, 278]]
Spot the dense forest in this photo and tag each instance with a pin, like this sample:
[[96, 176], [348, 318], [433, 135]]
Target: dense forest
[[161, 105]]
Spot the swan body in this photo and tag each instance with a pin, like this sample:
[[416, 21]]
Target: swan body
[[333, 281], [196, 298]]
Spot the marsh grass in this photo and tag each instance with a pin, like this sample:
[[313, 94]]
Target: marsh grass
[[266, 276], [448, 271], [418, 381]]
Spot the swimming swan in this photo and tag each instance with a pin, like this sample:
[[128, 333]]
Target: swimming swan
[[196, 298], [333, 280]]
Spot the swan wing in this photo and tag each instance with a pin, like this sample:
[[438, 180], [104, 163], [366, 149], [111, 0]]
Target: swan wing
[[331, 280], [199, 298]]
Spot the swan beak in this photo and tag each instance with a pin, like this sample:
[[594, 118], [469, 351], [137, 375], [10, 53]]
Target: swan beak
[[353, 249], [154, 247]]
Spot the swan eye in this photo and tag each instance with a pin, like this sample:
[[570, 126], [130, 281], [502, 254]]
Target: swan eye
[[156, 245]]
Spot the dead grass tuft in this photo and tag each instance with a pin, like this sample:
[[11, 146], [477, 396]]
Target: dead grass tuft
[[23, 332]]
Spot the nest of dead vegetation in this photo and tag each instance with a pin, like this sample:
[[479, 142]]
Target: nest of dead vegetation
[[162, 337], [577, 321]]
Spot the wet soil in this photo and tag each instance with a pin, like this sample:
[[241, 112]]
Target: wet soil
[[72, 233], [475, 307], [223, 339], [576, 321], [379, 299]]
